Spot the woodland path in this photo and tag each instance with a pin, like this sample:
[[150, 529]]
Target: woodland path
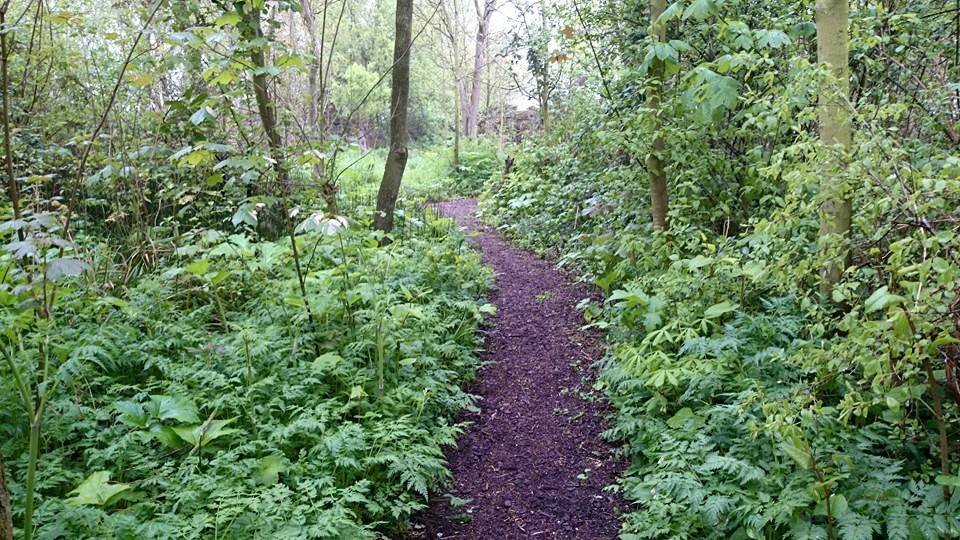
[[533, 463]]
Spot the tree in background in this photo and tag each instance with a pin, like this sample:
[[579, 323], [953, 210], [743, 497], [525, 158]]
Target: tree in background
[[399, 99], [471, 108], [656, 167], [833, 44]]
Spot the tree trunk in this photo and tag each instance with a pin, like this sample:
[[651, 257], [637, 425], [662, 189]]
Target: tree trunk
[[13, 190], [543, 74], [6, 511], [656, 167], [471, 117], [316, 64], [272, 222], [833, 50], [456, 127], [265, 105], [399, 98]]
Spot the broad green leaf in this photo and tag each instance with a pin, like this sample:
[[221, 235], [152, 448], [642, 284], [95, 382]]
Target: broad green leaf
[[131, 413], [699, 9], [718, 310], [97, 490], [952, 481], [798, 451], [881, 299], [65, 267], [177, 408], [203, 434]]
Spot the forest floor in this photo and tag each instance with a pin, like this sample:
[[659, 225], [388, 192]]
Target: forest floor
[[532, 464]]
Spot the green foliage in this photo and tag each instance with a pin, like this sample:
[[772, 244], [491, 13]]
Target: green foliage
[[748, 405], [212, 400]]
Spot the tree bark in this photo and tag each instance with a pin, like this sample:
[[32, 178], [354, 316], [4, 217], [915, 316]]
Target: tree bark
[[265, 105], [456, 127], [656, 166], [13, 191], [316, 63], [399, 99], [6, 511], [471, 117], [833, 50]]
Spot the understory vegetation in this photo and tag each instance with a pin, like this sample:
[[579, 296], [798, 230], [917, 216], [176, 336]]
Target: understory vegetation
[[229, 309], [754, 395]]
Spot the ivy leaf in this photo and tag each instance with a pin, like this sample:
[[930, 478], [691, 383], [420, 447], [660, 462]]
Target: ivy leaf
[[97, 490], [880, 299]]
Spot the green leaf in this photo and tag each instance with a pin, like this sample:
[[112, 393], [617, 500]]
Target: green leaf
[[880, 299], [198, 267], [952, 481], [177, 408], [799, 451], [64, 267], [269, 470], [131, 413], [166, 435], [838, 506], [228, 19], [699, 10], [684, 415], [97, 490], [203, 434], [718, 310]]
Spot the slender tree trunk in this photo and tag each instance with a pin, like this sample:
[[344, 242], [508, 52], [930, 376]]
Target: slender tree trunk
[[316, 64], [456, 127], [13, 191], [471, 117], [265, 105], [833, 50], [656, 166], [543, 76], [399, 98]]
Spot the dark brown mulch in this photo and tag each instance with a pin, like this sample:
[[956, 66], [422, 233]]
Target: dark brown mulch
[[533, 464]]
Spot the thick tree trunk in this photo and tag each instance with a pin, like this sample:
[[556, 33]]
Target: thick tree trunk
[[656, 166], [399, 98], [833, 50]]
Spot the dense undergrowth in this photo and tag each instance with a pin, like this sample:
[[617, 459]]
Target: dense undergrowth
[[210, 396], [749, 404]]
